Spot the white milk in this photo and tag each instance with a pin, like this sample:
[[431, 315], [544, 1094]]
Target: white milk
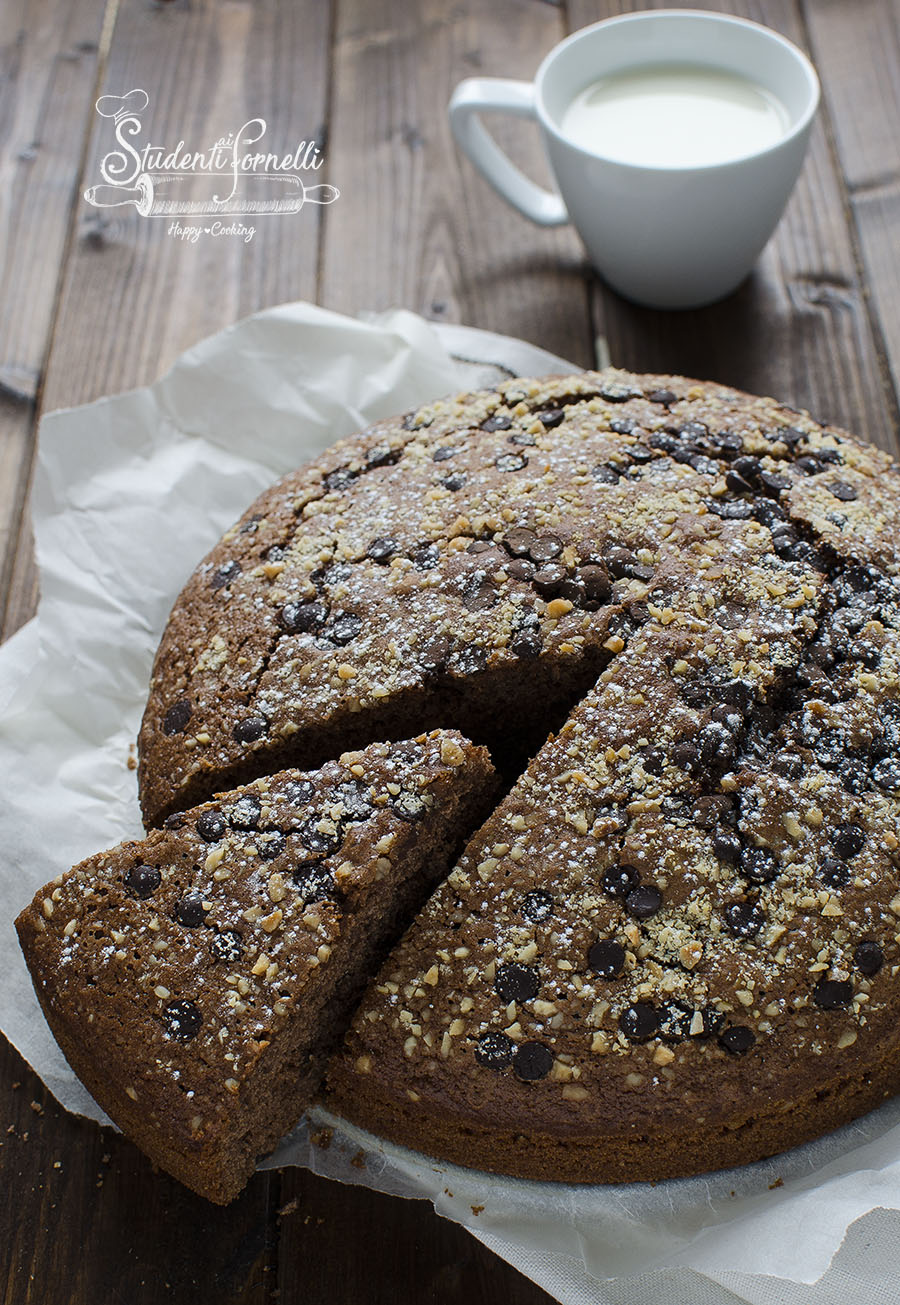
[[674, 116]]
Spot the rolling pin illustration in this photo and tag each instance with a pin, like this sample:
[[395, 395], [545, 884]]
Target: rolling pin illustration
[[261, 192]]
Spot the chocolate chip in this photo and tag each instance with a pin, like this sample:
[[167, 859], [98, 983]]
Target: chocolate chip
[[595, 582], [249, 729], [354, 798], [617, 392], [182, 1020], [499, 422], [675, 1021], [298, 792], [727, 441], [468, 660], [526, 644], [318, 840], [731, 510], [620, 880], [743, 919], [302, 618], [523, 438], [433, 655], [736, 483], [552, 417], [773, 483], [189, 910], [444, 453], [545, 548], [225, 574], [409, 806], [516, 982], [868, 956], [344, 628], [841, 490], [727, 846], [177, 717], [643, 901], [494, 1050], [834, 873], [737, 1039], [848, 840], [270, 844], [661, 396], [339, 479], [832, 994], [211, 826], [511, 462], [382, 549], [175, 821], [606, 474], [537, 905], [519, 541], [244, 813], [142, 880], [788, 435], [759, 865], [622, 425], [410, 422], [478, 592], [454, 482], [227, 945], [606, 958], [886, 775], [425, 557], [382, 455], [532, 1061], [638, 453], [549, 578], [314, 884], [639, 1022], [713, 1020]]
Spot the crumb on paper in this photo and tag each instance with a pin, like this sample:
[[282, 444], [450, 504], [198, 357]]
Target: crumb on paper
[[291, 1207], [779, 1182], [131, 763], [359, 1160], [322, 1139], [476, 1209]]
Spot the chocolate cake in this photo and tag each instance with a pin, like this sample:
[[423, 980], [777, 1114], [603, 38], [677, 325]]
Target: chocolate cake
[[196, 981]]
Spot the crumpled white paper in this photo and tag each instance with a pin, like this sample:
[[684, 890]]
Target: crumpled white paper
[[129, 493]]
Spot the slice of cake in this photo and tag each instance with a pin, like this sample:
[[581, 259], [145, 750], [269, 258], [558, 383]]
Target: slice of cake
[[197, 981]]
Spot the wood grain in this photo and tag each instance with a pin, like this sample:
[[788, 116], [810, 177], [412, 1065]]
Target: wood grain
[[48, 69], [800, 327], [431, 235]]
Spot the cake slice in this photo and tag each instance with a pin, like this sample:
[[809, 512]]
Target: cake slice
[[197, 981]]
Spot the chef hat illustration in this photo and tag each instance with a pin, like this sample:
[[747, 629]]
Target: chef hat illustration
[[122, 106]]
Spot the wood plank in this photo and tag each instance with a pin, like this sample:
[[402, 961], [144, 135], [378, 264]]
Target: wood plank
[[416, 226], [799, 327], [857, 51], [92, 1222], [48, 69]]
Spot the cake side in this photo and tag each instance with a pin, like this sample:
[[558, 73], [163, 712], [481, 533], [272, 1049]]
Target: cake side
[[442, 568], [197, 980]]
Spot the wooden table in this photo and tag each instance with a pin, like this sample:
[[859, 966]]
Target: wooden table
[[93, 302]]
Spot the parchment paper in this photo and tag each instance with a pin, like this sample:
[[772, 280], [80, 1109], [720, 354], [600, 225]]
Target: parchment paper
[[129, 493]]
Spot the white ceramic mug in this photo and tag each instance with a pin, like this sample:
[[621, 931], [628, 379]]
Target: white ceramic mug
[[669, 236]]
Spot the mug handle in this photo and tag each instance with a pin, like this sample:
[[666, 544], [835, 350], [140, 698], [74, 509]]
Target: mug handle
[[470, 98]]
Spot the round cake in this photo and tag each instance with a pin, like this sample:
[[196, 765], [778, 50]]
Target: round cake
[[672, 612]]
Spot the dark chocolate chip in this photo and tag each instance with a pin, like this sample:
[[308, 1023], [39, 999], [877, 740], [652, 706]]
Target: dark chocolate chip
[[834, 873], [468, 660], [354, 797], [249, 729], [737, 1039], [868, 956], [494, 1050], [382, 455], [545, 548], [620, 880], [511, 462], [759, 865], [318, 840], [639, 454], [552, 417], [521, 569], [519, 541], [211, 826], [886, 775], [454, 482], [314, 884], [595, 582], [516, 982], [225, 574], [244, 813], [713, 1021], [298, 792], [409, 806], [303, 618], [270, 844], [432, 656], [731, 509], [537, 905], [182, 1019], [848, 840], [532, 1061], [727, 846], [549, 578], [478, 592], [142, 881], [499, 422], [773, 483], [526, 644], [175, 821], [606, 474], [736, 483], [665, 397], [382, 549], [622, 425], [339, 479], [523, 438], [841, 490], [675, 1021], [617, 392], [189, 910], [643, 901], [425, 557], [227, 945], [606, 958], [743, 919], [639, 1022], [177, 717], [832, 994], [444, 453]]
